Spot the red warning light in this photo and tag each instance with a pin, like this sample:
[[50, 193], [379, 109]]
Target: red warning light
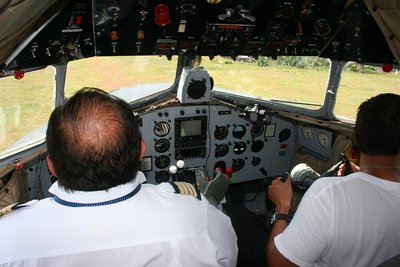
[[387, 67], [19, 74], [161, 14]]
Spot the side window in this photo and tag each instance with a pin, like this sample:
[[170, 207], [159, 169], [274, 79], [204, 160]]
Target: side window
[[25, 105], [360, 82]]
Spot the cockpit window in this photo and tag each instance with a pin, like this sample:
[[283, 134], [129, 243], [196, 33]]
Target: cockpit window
[[111, 73], [25, 105], [298, 81], [360, 82]]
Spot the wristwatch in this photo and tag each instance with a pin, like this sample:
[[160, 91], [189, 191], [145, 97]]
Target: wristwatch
[[281, 216]]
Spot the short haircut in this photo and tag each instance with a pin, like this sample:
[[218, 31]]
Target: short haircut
[[377, 130], [93, 141]]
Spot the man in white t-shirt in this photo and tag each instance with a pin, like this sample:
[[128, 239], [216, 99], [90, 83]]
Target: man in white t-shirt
[[352, 220], [101, 213]]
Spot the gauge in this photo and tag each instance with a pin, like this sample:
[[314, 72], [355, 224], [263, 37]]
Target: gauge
[[162, 162], [161, 128], [162, 177], [237, 164], [257, 146], [239, 148], [255, 161], [323, 139], [284, 135], [221, 150], [221, 132], [187, 8], [162, 145], [257, 129], [307, 133], [239, 131]]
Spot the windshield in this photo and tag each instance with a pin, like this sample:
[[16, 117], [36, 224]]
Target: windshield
[[111, 73], [299, 81], [25, 104]]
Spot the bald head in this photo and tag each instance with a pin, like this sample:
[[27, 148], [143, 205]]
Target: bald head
[[93, 141]]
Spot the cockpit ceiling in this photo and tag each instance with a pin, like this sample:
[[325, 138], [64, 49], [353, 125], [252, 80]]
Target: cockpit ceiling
[[40, 33]]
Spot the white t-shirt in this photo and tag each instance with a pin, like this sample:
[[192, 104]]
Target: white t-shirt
[[155, 227], [344, 221]]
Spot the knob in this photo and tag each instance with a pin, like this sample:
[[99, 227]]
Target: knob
[[180, 164], [173, 169]]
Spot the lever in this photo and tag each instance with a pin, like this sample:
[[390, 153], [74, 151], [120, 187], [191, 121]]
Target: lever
[[228, 13], [284, 177]]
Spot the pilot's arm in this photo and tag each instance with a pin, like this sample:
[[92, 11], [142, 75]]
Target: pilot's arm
[[303, 240], [280, 194]]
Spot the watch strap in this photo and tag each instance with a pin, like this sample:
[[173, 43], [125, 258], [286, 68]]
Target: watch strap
[[281, 216]]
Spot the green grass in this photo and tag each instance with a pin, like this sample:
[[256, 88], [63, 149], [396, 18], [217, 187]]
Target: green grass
[[26, 104]]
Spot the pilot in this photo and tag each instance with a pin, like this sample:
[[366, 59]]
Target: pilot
[[351, 220], [101, 213]]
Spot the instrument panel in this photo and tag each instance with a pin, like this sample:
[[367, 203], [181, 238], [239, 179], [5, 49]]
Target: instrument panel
[[85, 28], [204, 137]]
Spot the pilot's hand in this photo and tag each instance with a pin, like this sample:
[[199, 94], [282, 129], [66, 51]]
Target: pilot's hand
[[342, 168], [216, 189], [280, 193]]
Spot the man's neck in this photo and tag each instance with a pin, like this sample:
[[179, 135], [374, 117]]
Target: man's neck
[[384, 167]]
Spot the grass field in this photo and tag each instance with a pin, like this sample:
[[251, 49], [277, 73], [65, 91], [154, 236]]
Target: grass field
[[26, 104]]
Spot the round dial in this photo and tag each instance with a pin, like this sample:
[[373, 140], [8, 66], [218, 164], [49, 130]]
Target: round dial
[[221, 150], [161, 128], [255, 161], [161, 145], [307, 133], [162, 162], [239, 148], [284, 135], [162, 176], [257, 146], [257, 129], [221, 132], [237, 164], [239, 131], [323, 139]]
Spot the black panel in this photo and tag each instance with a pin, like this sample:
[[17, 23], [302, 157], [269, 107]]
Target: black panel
[[327, 28]]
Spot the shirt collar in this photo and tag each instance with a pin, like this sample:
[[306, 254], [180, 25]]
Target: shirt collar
[[97, 196]]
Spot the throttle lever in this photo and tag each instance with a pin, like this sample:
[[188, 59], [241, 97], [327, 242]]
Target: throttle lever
[[284, 177]]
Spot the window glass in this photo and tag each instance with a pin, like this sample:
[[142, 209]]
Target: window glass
[[25, 105], [299, 81], [360, 82], [111, 73]]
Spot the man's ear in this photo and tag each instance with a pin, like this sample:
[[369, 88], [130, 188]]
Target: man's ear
[[142, 149], [50, 166]]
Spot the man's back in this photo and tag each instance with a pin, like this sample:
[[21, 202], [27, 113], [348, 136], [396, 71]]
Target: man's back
[[152, 228], [348, 221]]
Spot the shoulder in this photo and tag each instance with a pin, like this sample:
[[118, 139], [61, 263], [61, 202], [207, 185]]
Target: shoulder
[[178, 188]]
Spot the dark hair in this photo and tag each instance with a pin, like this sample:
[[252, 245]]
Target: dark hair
[[93, 141], [377, 130]]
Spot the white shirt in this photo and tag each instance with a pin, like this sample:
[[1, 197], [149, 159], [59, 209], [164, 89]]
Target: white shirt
[[344, 221], [155, 227]]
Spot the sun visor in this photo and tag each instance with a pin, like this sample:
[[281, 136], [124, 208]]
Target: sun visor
[[386, 14], [16, 18]]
